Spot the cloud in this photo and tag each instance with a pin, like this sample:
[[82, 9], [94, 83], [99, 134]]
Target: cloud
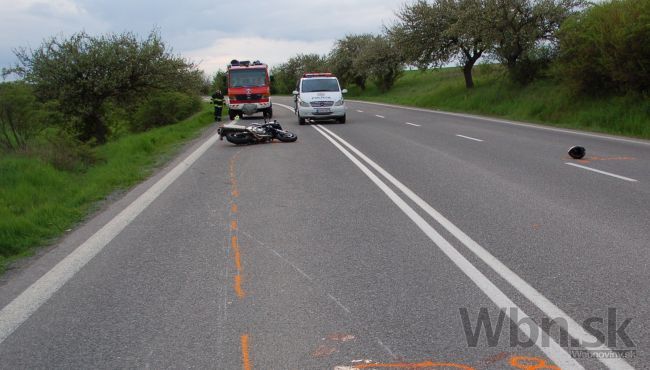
[[270, 51], [26, 23], [205, 30]]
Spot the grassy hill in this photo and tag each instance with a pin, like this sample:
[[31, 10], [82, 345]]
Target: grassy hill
[[544, 101]]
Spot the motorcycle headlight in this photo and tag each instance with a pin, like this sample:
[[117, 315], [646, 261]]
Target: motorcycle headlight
[[339, 103], [304, 104]]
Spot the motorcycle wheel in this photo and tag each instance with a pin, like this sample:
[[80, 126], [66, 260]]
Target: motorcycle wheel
[[239, 138], [286, 136]]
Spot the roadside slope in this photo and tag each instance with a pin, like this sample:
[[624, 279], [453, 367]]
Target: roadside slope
[[543, 101]]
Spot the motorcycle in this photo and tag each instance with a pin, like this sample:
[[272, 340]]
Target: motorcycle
[[253, 133]]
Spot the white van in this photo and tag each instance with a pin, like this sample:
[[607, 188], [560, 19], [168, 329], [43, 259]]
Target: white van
[[319, 97]]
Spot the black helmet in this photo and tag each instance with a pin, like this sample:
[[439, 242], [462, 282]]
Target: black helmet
[[577, 152]]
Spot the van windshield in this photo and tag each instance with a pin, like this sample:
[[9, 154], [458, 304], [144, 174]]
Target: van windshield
[[319, 84]]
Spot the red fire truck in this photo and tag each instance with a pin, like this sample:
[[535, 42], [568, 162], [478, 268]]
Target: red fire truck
[[249, 89]]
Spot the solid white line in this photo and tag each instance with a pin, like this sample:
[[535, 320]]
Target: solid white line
[[470, 138], [602, 172], [286, 106], [522, 124], [556, 353], [23, 306], [376, 115], [412, 124], [550, 310]]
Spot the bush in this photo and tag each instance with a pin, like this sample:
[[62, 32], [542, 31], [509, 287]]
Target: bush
[[164, 109], [63, 151], [19, 115], [606, 48]]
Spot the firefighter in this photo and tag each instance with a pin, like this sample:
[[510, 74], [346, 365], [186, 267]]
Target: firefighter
[[217, 100]]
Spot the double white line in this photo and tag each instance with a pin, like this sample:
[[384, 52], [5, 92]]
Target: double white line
[[545, 343]]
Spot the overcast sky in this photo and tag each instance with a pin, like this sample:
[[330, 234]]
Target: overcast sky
[[208, 32]]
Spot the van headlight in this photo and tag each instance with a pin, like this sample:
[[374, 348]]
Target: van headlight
[[339, 103], [304, 104]]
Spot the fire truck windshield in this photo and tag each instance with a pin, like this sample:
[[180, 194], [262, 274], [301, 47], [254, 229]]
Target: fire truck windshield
[[247, 78]]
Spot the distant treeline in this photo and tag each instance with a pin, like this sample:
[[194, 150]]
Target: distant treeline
[[595, 48], [71, 94]]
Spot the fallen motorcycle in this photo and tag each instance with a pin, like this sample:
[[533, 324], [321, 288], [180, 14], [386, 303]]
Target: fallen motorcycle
[[253, 133]]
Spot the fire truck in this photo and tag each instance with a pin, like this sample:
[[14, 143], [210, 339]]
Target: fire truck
[[249, 89]]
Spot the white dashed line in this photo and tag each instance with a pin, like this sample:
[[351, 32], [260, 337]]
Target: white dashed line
[[602, 172], [376, 115], [470, 138], [412, 124], [360, 111]]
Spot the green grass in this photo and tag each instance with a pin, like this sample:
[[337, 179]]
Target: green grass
[[544, 101], [38, 203]]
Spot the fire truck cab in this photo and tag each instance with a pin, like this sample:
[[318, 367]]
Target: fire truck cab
[[249, 89]]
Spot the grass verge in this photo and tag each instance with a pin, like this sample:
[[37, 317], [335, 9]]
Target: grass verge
[[544, 101], [38, 203]]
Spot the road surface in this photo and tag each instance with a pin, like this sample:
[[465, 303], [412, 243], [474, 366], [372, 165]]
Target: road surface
[[380, 243]]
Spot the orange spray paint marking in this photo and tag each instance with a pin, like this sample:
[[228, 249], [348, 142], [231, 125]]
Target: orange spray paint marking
[[238, 289], [245, 355], [238, 279], [235, 193], [233, 208], [418, 365], [531, 363], [233, 225], [238, 261], [235, 248]]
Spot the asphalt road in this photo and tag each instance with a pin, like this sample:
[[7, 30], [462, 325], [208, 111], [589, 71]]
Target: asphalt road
[[374, 244]]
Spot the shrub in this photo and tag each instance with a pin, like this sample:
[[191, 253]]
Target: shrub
[[164, 109], [606, 48]]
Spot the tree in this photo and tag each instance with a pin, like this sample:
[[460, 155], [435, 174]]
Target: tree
[[434, 34], [219, 82], [287, 74], [522, 26], [345, 59], [84, 73], [382, 61], [605, 49], [19, 115]]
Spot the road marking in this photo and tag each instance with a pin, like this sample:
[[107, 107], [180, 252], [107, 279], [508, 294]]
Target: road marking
[[360, 111], [543, 341], [602, 172], [522, 124], [376, 115], [300, 271], [23, 306], [234, 227], [238, 287], [526, 363], [413, 365], [245, 355], [412, 124], [286, 106], [549, 308], [470, 138]]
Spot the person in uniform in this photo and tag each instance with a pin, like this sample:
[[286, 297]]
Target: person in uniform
[[217, 100]]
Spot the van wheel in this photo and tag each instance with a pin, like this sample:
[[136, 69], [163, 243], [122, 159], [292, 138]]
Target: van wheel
[[301, 121], [342, 119]]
